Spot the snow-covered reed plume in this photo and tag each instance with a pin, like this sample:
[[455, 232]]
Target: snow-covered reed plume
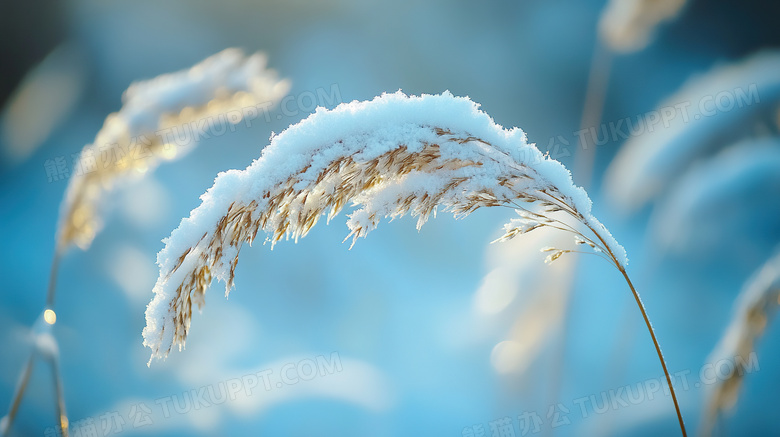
[[720, 193], [754, 308], [137, 137], [628, 25], [651, 162], [131, 143], [392, 156]]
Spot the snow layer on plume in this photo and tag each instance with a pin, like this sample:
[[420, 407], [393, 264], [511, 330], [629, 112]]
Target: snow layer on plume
[[364, 130], [695, 126], [133, 137], [718, 194], [218, 76]]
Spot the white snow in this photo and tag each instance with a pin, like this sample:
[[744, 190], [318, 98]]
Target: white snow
[[364, 130], [739, 178], [708, 113], [152, 106]]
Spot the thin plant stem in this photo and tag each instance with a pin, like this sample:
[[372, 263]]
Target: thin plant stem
[[21, 387], [657, 348], [567, 228], [593, 108], [595, 94], [52, 290], [62, 417], [652, 333]]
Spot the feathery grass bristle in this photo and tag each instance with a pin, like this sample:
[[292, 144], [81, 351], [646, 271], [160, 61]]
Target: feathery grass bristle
[[390, 169], [756, 305], [133, 140]]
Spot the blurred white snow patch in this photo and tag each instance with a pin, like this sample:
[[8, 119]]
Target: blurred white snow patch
[[43, 100], [718, 194], [3, 425], [46, 345], [146, 203], [655, 408], [507, 356], [133, 271], [358, 383], [708, 113], [148, 416], [497, 291], [223, 333], [15, 338]]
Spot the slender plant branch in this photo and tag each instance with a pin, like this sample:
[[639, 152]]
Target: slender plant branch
[[584, 159], [61, 414], [55, 265], [62, 418], [21, 387], [657, 348], [600, 250], [652, 334], [612, 258], [595, 95]]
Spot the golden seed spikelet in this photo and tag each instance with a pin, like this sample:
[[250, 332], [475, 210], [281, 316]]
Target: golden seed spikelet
[[756, 304], [389, 157], [159, 120]]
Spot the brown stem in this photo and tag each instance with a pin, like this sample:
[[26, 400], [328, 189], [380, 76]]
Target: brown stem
[[595, 95], [55, 264], [62, 417], [649, 328], [24, 378], [657, 348]]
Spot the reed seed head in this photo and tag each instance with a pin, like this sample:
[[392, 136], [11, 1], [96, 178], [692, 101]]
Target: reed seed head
[[390, 157], [138, 137]]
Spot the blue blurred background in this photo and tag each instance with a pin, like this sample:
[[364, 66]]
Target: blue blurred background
[[435, 332]]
